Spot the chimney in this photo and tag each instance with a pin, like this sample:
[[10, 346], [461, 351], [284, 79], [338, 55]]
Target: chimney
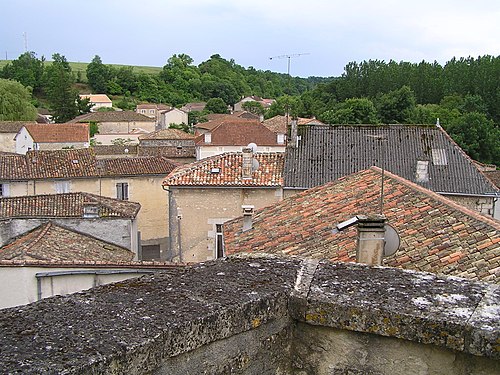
[[90, 210], [293, 134], [246, 165], [247, 217], [208, 137], [371, 239]]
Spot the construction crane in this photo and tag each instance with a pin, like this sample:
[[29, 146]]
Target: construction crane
[[289, 57]]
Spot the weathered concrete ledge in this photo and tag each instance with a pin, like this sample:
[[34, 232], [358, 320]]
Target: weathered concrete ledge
[[243, 312]]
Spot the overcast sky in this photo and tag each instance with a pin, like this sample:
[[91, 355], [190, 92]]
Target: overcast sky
[[330, 33]]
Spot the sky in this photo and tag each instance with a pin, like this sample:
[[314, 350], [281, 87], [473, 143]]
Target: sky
[[320, 36]]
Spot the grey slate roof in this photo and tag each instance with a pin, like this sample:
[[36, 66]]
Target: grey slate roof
[[326, 153]]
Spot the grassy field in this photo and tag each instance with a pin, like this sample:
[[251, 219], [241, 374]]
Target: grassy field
[[79, 67]]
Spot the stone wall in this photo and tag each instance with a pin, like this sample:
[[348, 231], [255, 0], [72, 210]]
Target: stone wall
[[261, 315]]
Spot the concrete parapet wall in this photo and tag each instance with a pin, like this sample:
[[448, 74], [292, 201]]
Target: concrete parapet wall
[[261, 316]]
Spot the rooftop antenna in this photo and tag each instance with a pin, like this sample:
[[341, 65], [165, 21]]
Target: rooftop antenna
[[25, 36], [289, 57]]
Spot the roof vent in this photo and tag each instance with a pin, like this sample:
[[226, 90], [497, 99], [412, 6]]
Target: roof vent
[[75, 161], [215, 170]]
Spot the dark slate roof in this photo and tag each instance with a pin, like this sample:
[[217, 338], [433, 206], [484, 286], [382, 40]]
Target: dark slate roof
[[326, 153], [78, 163], [65, 205], [437, 234], [52, 243]]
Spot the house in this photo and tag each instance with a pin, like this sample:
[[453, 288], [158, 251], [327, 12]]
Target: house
[[137, 179], [233, 136], [171, 143], [52, 137], [437, 235], [205, 194], [266, 103], [107, 219], [118, 125], [193, 107], [422, 154], [172, 116], [8, 132], [151, 110], [98, 101]]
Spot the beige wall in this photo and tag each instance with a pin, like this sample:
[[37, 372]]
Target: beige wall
[[60, 146], [125, 126], [203, 152], [7, 143], [174, 116], [18, 284], [198, 210], [152, 220], [483, 205]]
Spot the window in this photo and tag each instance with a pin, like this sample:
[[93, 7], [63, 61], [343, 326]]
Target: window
[[219, 241], [4, 190], [122, 191], [151, 111], [143, 111], [61, 187], [150, 252]]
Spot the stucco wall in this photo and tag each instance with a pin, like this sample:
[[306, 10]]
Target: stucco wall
[[483, 205], [18, 284], [23, 142], [125, 127], [7, 143], [173, 117], [197, 211]]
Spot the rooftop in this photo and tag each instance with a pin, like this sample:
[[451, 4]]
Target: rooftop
[[277, 124], [227, 308], [422, 154], [437, 235], [239, 133], [13, 126], [65, 205], [78, 163], [59, 133], [226, 170], [113, 116], [54, 243], [96, 98]]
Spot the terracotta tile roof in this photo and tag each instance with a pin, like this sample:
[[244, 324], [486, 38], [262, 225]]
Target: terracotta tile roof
[[153, 106], [96, 98], [59, 133], [494, 177], [240, 133], [189, 107], [168, 134], [278, 123], [13, 126], [77, 163], [113, 116], [437, 235], [65, 205], [50, 242], [326, 153], [226, 170]]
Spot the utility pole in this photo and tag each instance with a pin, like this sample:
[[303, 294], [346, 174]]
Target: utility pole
[[289, 58]]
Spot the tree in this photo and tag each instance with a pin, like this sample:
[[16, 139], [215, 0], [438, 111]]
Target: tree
[[216, 105], [397, 106], [477, 136], [352, 111], [15, 102], [98, 75], [63, 100], [26, 69], [253, 107]]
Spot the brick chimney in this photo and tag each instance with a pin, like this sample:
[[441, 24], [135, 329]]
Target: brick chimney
[[293, 134], [371, 241], [247, 217], [246, 165]]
